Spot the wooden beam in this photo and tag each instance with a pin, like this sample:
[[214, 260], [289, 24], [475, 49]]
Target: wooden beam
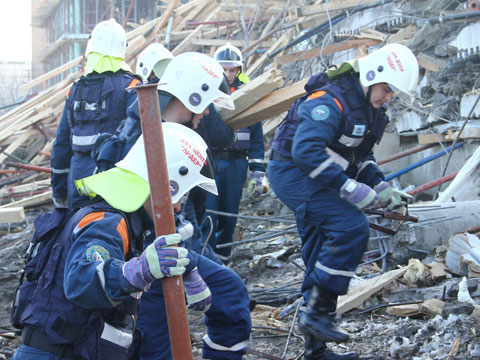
[[362, 292], [12, 215], [220, 42], [331, 6], [278, 43], [248, 94], [31, 201], [183, 46], [269, 106], [329, 49]]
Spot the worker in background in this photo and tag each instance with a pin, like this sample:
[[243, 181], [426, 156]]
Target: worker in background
[[84, 302], [232, 163], [322, 167], [96, 104]]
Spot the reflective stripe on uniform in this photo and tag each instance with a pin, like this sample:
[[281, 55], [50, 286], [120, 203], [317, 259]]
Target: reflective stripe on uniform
[[364, 165], [243, 135], [116, 336], [237, 347], [60, 171], [256, 161], [350, 141], [84, 140], [333, 271], [101, 278], [321, 167]]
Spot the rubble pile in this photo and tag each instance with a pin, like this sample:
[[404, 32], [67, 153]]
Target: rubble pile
[[416, 293]]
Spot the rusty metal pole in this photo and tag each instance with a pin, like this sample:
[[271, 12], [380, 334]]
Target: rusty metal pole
[[151, 121]]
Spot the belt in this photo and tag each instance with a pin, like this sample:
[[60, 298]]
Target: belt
[[228, 155], [279, 157], [38, 339]]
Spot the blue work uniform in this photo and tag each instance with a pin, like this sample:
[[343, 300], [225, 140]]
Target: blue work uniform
[[228, 319], [333, 141], [96, 104], [81, 306], [231, 166]]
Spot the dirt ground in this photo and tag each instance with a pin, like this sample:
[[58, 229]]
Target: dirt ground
[[272, 270]]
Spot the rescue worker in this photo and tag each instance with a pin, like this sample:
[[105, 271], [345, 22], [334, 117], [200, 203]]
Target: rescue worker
[[322, 167], [84, 303], [212, 289], [151, 65], [232, 163], [96, 104]]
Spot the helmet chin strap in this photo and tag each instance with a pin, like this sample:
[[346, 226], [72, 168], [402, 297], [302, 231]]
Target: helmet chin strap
[[369, 94]]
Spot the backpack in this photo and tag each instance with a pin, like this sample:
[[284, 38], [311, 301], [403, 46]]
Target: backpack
[[48, 227]]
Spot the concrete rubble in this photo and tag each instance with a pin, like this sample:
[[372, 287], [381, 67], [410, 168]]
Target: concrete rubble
[[416, 293]]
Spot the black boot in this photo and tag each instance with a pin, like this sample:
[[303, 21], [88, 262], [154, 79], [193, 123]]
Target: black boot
[[317, 350], [317, 319]]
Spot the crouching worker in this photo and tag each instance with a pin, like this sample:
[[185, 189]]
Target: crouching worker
[[83, 284], [210, 288]]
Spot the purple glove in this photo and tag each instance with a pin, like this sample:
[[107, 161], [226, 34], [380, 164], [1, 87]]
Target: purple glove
[[255, 186], [358, 194], [159, 259], [198, 294]]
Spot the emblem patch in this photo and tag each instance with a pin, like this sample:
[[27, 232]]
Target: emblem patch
[[320, 112], [97, 253], [173, 188], [370, 75], [195, 99], [358, 130]]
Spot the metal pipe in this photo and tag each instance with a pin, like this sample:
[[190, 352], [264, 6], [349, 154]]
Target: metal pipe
[[462, 16], [128, 13], [432, 183], [258, 218], [28, 167], [151, 120], [421, 162], [405, 153]]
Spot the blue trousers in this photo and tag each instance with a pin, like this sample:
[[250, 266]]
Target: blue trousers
[[230, 176], [228, 319], [25, 352], [334, 236]]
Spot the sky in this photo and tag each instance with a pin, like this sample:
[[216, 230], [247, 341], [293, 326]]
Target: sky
[[15, 30]]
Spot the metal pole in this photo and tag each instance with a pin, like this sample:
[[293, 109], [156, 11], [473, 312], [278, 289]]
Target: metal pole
[[405, 153], [151, 121], [432, 183]]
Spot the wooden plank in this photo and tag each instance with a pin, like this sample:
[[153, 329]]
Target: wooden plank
[[429, 138], [330, 6], [220, 42], [180, 22], [430, 63], [50, 74], [329, 49], [36, 185], [271, 124], [12, 215], [16, 144], [269, 106], [183, 46], [357, 295], [278, 43], [31, 201], [248, 94]]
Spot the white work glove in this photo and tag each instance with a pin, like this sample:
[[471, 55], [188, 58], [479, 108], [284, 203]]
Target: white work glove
[[389, 197]]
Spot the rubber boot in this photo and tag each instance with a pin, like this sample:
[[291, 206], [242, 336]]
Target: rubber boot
[[317, 319], [317, 350]]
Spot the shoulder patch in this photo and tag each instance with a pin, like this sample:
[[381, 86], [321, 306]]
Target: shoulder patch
[[320, 112], [97, 253], [133, 83]]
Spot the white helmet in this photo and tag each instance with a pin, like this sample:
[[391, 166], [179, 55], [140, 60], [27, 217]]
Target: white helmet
[[126, 187], [154, 58], [229, 56], [108, 38], [394, 64], [197, 81], [189, 161]]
